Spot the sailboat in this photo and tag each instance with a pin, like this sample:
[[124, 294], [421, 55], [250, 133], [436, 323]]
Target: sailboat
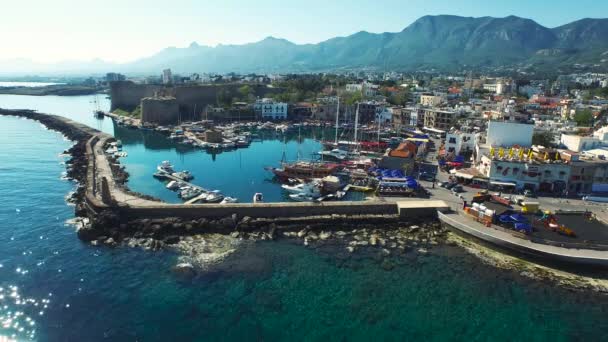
[[97, 112], [303, 170], [343, 150]]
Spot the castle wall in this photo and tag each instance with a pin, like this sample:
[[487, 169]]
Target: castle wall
[[127, 95], [191, 99], [162, 111]]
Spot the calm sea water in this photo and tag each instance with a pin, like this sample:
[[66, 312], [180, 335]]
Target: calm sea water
[[55, 288]]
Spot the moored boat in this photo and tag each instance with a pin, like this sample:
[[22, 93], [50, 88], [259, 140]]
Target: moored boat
[[305, 170]]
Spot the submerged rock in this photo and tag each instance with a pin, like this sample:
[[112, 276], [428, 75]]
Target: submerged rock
[[110, 242], [324, 235], [184, 270]]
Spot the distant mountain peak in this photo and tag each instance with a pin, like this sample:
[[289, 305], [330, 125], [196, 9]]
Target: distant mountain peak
[[440, 42]]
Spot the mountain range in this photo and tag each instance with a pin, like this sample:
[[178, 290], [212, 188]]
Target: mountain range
[[441, 42]]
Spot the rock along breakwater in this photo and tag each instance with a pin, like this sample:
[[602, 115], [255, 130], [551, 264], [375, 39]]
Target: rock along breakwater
[[110, 214]]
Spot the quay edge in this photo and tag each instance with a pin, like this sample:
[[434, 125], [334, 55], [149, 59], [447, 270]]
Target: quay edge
[[550, 253]]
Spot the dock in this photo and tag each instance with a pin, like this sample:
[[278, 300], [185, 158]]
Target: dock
[[124, 119]]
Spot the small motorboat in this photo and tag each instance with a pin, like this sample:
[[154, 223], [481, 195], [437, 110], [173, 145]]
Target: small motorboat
[[165, 166], [189, 193], [311, 189], [183, 175], [173, 185], [301, 197], [214, 197], [258, 197], [228, 200]]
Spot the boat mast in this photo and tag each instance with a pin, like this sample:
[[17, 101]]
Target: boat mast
[[337, 118], [379, 116], [299, 142], [284, 156], [356, 124]]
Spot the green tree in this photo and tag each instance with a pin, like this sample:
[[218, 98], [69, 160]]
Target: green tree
[[352, 98], [246, 92], [543, 139], [400, 98], [584, 118], [224, 98]]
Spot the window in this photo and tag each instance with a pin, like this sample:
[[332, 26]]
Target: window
[[452, 140]]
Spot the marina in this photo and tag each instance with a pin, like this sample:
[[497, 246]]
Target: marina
[[269, 142]]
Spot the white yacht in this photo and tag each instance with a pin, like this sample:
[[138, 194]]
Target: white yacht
[[165, 166], [228, 200], [301, 197], [183, 175], [312, 189], [338, 154], [189, 193], [173, 185]]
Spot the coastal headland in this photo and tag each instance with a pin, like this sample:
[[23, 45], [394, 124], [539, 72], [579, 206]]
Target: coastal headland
[[111, 214], [56, 89]]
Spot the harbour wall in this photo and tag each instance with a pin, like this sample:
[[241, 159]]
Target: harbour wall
[[262, 210]]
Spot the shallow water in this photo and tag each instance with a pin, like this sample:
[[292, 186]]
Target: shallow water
[[265, 291]]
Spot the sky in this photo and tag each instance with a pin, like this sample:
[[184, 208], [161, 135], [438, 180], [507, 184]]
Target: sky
[[49, 31]]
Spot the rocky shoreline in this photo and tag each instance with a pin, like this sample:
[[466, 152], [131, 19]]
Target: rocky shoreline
[[203, 252]]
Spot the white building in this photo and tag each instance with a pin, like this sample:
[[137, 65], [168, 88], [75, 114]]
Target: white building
[[167, 76], [433, 100], [502, 133], [270, 110], [578, 143], [384, 114], [530, 91], [533, 175], [602, 135], [366, 89], [458, 142], [354, 87]]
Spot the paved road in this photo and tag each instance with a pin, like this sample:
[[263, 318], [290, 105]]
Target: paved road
[[549, 203]]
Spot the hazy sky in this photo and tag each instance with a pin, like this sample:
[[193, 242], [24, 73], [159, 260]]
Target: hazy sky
[[123, 30]]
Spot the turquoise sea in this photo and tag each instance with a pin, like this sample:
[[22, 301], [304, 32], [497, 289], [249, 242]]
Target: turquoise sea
[[55, 288]]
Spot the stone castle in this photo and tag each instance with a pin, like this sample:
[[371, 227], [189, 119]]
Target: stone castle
[[168, 104]]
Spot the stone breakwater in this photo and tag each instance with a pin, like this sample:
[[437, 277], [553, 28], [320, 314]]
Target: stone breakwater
[[109, 214]]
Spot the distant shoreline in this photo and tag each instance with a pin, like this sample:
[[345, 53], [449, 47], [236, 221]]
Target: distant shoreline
[[58, 90]]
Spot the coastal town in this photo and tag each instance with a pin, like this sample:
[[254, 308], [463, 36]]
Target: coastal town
[[308, 171], [533, 136], [519, 164]]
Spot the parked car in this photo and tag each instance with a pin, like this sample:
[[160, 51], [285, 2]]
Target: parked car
[[451, 185], [457, 189], [448, 185], [529, 193], [427, 176]]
